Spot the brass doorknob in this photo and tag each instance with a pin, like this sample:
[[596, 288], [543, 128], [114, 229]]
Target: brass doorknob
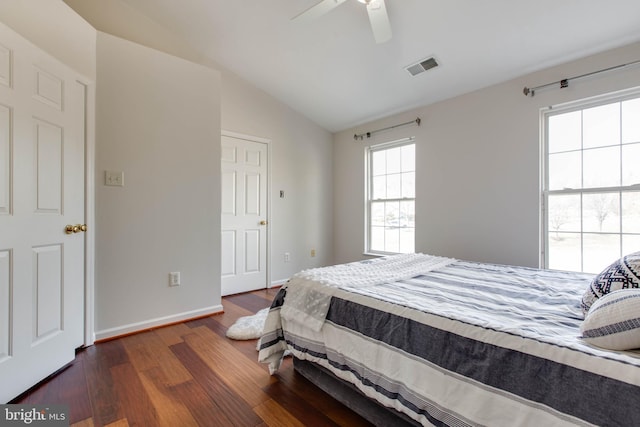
[[71, 229], [263, 222]]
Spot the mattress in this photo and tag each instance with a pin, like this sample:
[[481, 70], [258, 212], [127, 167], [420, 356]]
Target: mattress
[[459, 344]]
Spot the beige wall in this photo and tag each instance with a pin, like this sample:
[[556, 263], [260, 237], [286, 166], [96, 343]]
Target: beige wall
[[478, 160]]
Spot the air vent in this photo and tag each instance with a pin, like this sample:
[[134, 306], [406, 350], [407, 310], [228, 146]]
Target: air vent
[[422, 66]]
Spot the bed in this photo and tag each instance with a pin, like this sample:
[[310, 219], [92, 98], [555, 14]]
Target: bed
[[422, 340]]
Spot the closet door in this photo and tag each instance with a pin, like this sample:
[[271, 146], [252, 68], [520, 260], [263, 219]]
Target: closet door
[[244, 215]]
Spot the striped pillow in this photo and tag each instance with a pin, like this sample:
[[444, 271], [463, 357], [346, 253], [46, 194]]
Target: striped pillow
[[622, 274], [613, 322]]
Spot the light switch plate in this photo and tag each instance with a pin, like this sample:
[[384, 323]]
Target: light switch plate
[[174, 278], [114, 178]]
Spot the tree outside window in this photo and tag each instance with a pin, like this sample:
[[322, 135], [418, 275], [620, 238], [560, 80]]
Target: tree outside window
[[592, 184]]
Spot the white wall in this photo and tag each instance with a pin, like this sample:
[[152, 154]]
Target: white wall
[[301, 166], [166, 218], [158, 121], [55, 28], [477, 184], [301, 162]]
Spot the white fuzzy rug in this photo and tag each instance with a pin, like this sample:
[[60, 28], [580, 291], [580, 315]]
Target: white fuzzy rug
[[248, 327]]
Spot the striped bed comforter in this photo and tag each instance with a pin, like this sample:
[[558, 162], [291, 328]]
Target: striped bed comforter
[[466, 344]]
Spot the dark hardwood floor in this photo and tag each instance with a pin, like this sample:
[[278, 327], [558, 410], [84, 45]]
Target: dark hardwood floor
[[188, 374]]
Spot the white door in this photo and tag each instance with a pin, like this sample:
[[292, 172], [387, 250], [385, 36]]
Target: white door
[[42, 126], [244, 215]]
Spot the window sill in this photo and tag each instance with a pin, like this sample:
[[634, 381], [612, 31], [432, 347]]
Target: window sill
[[379, 254]]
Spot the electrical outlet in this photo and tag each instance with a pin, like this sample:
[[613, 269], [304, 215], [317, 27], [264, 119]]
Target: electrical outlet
[[287, 257], [174, 278], [313, 253], [114, 178]]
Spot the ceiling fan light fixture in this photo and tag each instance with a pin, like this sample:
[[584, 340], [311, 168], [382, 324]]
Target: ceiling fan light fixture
[[376, 9]]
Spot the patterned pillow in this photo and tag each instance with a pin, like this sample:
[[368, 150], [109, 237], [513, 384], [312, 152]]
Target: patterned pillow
[[613, 322], [622, 274]]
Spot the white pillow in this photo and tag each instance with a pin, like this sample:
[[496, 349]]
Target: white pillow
[[613, 321]]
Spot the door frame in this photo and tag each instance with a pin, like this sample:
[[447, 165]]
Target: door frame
[[90, 178], [267, 142]]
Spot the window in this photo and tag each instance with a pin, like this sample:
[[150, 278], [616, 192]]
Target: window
[[391, 197], [592, 183]]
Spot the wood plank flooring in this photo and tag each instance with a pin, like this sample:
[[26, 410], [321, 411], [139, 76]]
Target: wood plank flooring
[[188, 374]]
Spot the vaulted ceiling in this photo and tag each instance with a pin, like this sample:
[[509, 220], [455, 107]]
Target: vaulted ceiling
[[331, 69]]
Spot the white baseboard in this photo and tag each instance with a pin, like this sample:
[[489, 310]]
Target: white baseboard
[[276, 283], [154, 323]]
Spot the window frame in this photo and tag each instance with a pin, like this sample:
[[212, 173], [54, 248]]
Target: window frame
[[545, 113], [369, 150]]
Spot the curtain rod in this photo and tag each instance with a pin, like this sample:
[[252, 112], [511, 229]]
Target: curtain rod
[[360, 136], [565, 82]]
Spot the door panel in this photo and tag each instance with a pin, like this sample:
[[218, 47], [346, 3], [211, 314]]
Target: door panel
[[228, 253], [47, 306], [252, 194], [229, 192], [5, 160], [5, 66], [42, 141], [5, 294], [48, 153], [244, 215], [252, 251]]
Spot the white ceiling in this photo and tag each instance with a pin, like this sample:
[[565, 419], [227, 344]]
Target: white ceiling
[[332, 71]]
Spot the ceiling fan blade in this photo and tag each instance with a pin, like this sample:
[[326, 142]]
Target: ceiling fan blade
[[379, 20], [317, 10]]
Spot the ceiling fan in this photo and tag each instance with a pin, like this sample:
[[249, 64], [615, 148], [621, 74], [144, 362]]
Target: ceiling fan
[[377, 16]]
